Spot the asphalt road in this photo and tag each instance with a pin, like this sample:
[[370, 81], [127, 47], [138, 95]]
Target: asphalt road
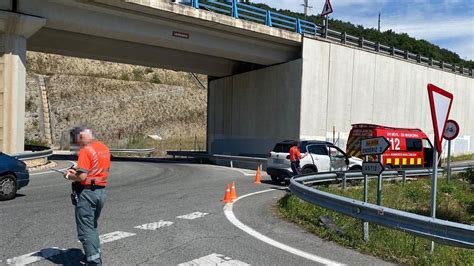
[[146, 221]]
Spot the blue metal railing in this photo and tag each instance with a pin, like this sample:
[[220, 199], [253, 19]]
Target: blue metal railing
[[243, 11]]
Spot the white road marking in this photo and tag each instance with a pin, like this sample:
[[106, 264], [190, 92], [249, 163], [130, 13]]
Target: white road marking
[[154, 226], [35, 256], [114, 236], [231, 217], [193, 215], [214, 259]]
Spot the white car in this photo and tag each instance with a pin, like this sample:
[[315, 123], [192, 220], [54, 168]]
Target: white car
[[322, 157]]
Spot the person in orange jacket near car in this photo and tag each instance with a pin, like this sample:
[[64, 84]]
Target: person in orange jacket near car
[[89, 190], [295, 157]]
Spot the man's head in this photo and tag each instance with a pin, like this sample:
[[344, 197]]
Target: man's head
[[81, 136]]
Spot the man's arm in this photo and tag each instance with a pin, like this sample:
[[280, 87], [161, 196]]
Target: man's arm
[[75, 176]]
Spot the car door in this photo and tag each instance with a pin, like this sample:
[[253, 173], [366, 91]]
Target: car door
[[337, 159], [320, 157]]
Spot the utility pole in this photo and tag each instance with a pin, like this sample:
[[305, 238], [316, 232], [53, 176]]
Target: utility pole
[[379, 21], [306, 7]]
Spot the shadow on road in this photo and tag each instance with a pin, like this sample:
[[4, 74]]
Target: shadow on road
[[59, 256]]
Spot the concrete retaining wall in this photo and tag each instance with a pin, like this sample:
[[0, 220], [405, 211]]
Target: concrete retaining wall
[[343, 86], [249, 112], [331, 87]]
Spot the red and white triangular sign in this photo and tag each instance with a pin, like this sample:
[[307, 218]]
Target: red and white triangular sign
[[327, 9], [440, 104]]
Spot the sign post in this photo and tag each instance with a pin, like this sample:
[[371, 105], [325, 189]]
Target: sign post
[[366, 198], [327, 9], [440, 106], [373, 146], [451, 132]]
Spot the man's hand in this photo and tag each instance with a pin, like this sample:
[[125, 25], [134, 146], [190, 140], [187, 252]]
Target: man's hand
[[70, 172]]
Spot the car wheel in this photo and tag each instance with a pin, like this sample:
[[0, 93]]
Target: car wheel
[[8, 187], [276, 179], [308, 170]]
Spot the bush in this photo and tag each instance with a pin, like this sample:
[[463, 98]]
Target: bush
[[469, 176], [124, 76], [155, 79], [138, 75], [148, 70]]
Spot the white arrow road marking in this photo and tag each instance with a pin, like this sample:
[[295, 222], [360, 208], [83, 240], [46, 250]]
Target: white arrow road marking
[[35, 256], [154, 226], [214, 259], [114, 236], [231, 217], [193, 215]]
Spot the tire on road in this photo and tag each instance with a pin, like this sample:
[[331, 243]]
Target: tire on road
[[277, 179], [309, 170], [8, 187]]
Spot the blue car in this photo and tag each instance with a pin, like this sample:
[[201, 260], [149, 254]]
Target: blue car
[[13, 176]]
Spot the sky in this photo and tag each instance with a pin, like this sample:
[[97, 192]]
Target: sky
[[446, 23]]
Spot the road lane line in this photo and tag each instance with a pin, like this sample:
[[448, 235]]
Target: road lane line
[[154, 225], [36, 256], [192, 216], [114, 236], [214, 259], [228, 211]]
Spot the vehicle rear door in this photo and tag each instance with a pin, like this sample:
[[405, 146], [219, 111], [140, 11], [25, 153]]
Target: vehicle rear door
[[278, 156], [337, 159], [320, 156]]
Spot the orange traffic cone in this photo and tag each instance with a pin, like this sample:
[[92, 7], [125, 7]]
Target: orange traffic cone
[[227, 198], [257, 176], [233, 194]]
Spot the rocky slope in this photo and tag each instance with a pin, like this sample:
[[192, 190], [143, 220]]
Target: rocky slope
[[117, 101]]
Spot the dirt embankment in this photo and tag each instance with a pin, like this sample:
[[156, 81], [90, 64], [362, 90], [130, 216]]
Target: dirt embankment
[[118, 101]]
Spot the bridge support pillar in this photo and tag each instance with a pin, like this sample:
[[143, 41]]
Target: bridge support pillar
[[14, 30]]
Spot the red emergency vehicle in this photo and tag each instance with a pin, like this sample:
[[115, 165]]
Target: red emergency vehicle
[[410, 147]]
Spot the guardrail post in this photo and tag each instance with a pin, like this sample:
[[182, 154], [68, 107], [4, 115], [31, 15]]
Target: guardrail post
[[472, 73], [418, 58], [195, 3], [361, 42], [377, 47], [344, 37], [441, 64], [406, 54], [231, 164], [298, 26], [268, 20], [454, 67], [404, 177], [431, 61], [235, 11], [392, 50]]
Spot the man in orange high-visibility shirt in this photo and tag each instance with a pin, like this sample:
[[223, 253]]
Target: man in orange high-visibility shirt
[[295, 156], [89, 193]]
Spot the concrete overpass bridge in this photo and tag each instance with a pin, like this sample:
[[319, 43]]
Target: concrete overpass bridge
[[266, 83]]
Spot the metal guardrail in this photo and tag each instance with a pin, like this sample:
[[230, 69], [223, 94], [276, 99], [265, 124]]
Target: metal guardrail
[[32, 155], [273, 19], [133, 151], [230, 158], [441, 231], [243, 11]]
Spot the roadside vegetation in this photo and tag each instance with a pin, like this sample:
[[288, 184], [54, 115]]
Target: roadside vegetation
[[455, 203], [463, 157]]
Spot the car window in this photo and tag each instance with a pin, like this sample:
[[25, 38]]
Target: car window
[[318, 149], [427, 144], [335, 152], [283, 147], [414, 144]]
